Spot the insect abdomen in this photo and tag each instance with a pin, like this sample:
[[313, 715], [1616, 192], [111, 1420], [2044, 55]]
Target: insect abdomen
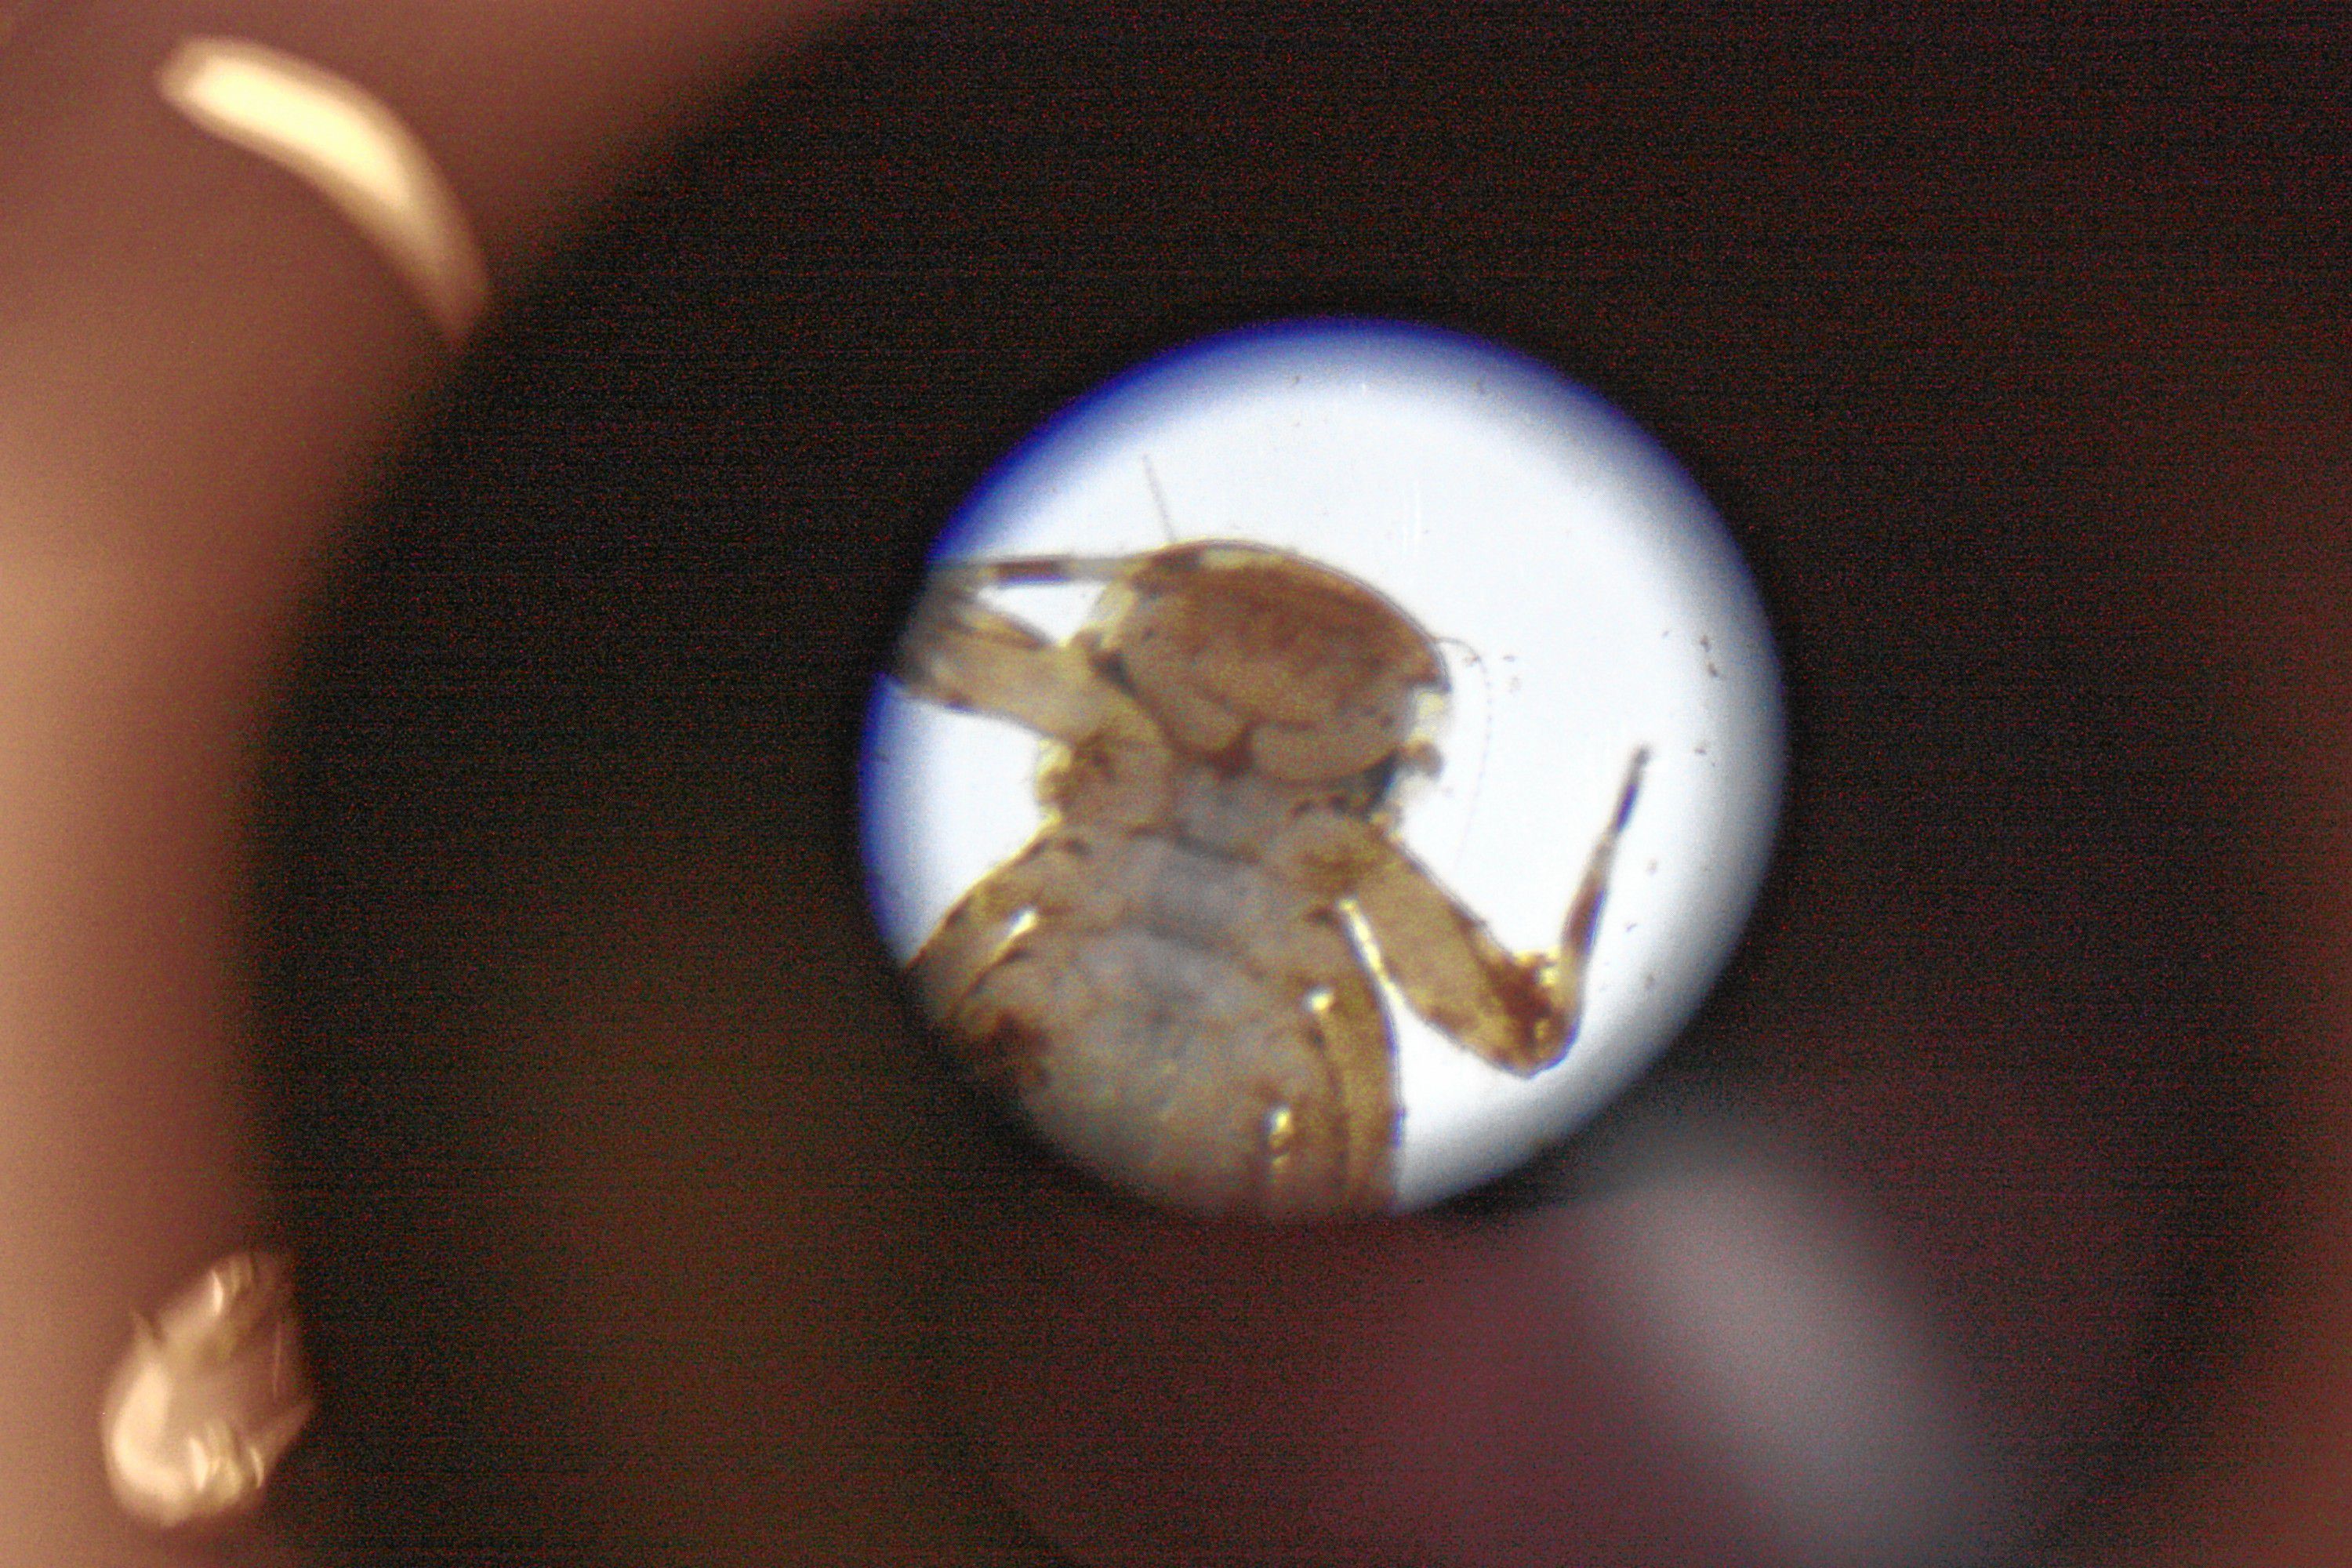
[[1160, 1044]]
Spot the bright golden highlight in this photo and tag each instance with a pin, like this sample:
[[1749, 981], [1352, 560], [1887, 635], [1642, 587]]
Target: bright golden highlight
[[209, 1396], [349, 147]]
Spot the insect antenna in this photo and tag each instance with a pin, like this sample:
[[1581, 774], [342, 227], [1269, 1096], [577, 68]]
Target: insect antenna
[[1486, 735]]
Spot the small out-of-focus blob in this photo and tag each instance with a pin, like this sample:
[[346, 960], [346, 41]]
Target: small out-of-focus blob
[[348, 145], [209, 1397], [1794, 1342]]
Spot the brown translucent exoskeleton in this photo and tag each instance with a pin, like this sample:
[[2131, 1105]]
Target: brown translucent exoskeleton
[[1175, 978]]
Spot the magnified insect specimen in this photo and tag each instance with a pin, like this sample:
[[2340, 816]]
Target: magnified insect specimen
[[1177, 978], [209, 1396]]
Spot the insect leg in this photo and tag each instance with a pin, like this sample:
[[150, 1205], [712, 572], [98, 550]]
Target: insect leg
[[971, 935], [972, 575], [1355, 1033], [964, 654], [1518, 1012], [1582, 926]]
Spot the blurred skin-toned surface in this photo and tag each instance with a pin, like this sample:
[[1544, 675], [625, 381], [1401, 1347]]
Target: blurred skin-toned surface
[[197, 362], [542, 1023]]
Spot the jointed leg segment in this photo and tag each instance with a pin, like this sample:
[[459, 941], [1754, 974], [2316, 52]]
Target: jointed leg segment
[[1516, 1012]]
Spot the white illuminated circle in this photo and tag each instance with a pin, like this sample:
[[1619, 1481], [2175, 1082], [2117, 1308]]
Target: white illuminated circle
[[1589, 604]]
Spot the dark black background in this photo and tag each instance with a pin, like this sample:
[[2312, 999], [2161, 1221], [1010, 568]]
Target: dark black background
[[1971, 329]]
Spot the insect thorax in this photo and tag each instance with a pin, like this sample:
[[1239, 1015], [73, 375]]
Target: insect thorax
[[1156, 789]]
